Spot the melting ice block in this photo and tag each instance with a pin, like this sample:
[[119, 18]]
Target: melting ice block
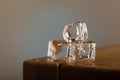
[[85, 50], [78, 47], [75, 31], [75, 42], [57, 49]]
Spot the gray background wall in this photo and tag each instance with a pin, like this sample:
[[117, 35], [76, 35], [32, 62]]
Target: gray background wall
[[26, 26]]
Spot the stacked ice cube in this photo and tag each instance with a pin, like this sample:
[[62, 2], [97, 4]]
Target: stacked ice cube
[[75, 42]]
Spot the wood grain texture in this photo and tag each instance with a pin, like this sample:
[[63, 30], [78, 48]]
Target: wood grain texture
[[109, 57], [105, 67], [40, 69]]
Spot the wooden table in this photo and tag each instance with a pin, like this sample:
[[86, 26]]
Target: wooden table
[[105, 67]]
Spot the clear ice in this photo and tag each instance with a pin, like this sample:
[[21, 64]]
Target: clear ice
[[75, 42], [56, 49], [75, 31], [78, 47], [85, 50]]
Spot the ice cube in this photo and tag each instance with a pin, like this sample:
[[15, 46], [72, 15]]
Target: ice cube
[[56, 49], [75, 31], [85, 50]]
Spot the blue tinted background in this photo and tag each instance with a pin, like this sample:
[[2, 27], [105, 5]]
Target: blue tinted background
[[26, 26]]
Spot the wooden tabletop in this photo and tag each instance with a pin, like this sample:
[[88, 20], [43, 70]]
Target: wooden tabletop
[[105, 67], [108, 57]]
